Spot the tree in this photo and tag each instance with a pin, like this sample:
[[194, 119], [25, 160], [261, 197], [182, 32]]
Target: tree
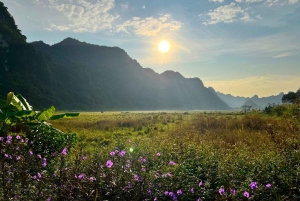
[[291, 97], [246, 108]]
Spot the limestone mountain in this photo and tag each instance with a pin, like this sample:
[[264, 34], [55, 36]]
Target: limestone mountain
[[81, 76]]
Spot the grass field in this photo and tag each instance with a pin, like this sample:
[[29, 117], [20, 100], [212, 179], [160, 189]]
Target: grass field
[[223, 151], [164, 156]]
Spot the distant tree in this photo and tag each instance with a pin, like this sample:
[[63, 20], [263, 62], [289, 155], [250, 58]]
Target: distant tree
[[291, 97], [246, 108]]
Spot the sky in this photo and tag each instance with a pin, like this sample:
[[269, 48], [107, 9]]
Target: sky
[[238, 47]]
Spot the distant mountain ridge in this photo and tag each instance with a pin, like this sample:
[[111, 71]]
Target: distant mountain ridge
[[122, 78], [75, 75], [255, 101]]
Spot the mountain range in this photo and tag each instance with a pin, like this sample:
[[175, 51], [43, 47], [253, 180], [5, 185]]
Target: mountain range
[[74, 75], [81, 76], [237, 102]]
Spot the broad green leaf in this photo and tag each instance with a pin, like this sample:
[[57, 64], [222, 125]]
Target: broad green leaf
[[46, 114], [17, 103], [24, 102], [60, 116], [10, 96], [23, 113], [72, 114]]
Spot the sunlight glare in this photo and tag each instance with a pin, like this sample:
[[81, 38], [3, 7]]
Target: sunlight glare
[[164, 46]]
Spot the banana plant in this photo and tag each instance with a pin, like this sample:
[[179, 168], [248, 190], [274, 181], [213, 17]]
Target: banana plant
[[16, 113]]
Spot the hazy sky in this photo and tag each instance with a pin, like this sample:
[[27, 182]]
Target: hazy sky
[[242, 47]]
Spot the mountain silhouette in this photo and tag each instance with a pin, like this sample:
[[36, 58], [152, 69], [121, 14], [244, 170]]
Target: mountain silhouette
[[75, 75]]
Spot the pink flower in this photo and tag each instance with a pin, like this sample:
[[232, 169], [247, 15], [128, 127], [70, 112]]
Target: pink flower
[[109, 164], [158, 154], [64, 151], [81, 176], [172, 163], [246, 194], [179, 192], [122, 153], [136, 177], [268, 185]]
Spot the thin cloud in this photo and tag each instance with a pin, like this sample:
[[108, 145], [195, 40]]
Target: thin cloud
[[149, 26], [287, 54], [227, 14], [269, 2], [219, 1], [81, 16]]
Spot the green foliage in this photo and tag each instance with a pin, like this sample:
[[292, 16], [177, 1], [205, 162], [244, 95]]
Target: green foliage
[[18, 116], [291, 97]]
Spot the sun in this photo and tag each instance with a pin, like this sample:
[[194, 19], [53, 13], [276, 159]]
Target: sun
[[164, 46]]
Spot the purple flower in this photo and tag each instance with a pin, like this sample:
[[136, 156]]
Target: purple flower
[[112, 153], [172, 163], [54, 175], [1, 138], [246, 194], [39, 175], [49, 199], [18, 137], [18, 158], [55, 154], [6, 155], [253, 185], [136, 177], [8, 138], [200, 183], [122, 153], [92, 179], [232, 191], [64, 151], [155, 199], [198, 199], [169, 174], [166, 193], [221, 191], [128, 165], [34, 177], [143, 169], [109, 163], [171, 194], [30, 152], [158, 154], [83, 158], [192, 190], [179, 192], [39, 156], [44, 164], [268, 185], [81, 176]]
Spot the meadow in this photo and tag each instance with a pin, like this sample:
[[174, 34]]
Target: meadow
[[158, 156]]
